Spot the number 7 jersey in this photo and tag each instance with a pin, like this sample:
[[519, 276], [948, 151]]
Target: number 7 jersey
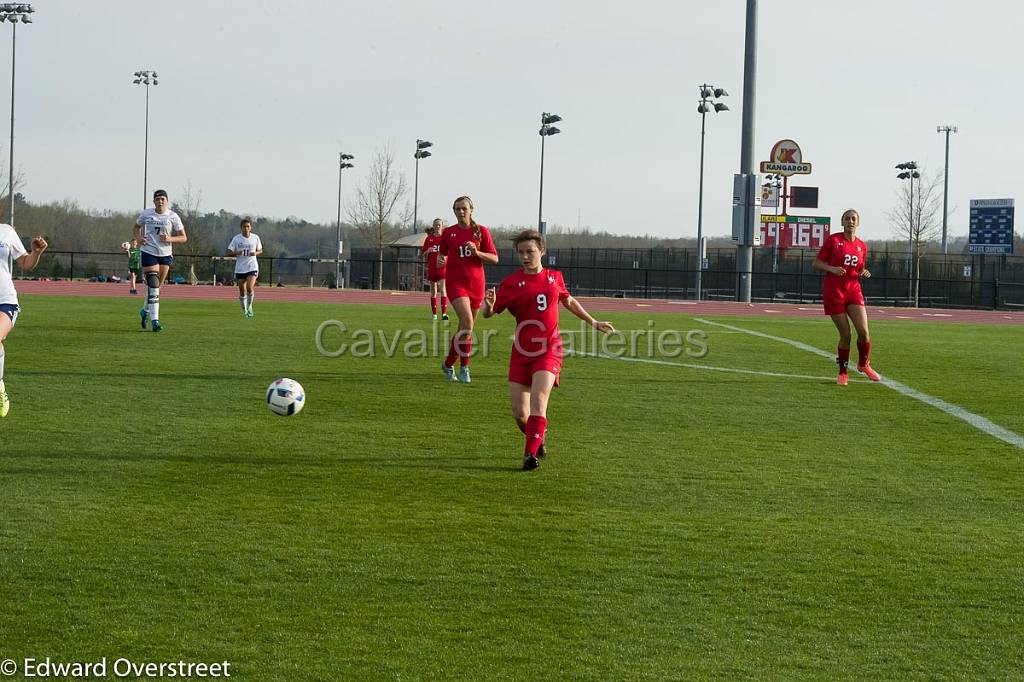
[[838, 251], [533, 301]]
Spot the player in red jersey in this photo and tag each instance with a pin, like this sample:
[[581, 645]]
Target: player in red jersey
[[532, 296], [435, 275], [465, 247], [843, 258]]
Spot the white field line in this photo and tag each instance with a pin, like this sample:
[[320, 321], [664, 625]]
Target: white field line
[[733, 370], [975, 420]]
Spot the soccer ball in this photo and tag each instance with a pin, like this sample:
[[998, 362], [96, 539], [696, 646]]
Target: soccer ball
[[286, 397], [125, 246]]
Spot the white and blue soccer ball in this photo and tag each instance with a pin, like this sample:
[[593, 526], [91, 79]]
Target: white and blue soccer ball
[[286, 397], [125, 246]]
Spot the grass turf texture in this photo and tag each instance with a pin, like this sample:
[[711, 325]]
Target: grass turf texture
[[689, 524]]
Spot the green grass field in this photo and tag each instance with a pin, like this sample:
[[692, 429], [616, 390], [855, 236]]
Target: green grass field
[[689, 523]]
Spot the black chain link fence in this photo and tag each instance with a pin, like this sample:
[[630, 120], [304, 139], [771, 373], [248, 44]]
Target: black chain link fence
[[954, 281]]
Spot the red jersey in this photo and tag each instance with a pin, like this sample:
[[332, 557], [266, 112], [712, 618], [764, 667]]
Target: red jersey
[[465, 271], [432, 247], [840, 251], [533, 300]]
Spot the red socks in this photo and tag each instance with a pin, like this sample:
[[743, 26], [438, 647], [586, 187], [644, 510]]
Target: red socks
[[433, 304], [444, 305], [460, 347], [535, 429], [844, 358], [863, 350]]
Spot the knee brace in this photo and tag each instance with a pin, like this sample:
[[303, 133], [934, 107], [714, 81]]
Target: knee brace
[[153, 280]]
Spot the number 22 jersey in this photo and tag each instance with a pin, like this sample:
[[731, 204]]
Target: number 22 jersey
[[838, 251]]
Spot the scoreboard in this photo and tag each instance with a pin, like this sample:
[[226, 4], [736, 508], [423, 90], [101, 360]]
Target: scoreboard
[[991, 226], [795, 231]]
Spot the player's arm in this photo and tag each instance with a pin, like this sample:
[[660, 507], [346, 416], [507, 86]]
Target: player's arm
[[577, 309], [822, 266], [259, 248], [486, 251], [137, 233], [31, 259], [177, 235], [490, 300]]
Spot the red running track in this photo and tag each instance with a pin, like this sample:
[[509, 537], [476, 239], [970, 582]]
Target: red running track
[[411, 298]]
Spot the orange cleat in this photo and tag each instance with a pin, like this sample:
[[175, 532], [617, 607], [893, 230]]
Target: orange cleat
[[868, 372], [842, 378]]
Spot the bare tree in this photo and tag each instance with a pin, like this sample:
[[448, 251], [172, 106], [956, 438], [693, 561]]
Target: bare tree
[[375, 203], [187, 209], [5, 181], [916, 219]]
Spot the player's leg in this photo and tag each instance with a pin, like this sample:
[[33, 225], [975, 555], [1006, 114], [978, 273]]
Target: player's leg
[[444, 299], [858, 314], [6, 324], [157, 278], [459, 347], [519, 398], [131, 279], [842, 324], [433, 298], [537, 423], [250, 292], [240, 281], [150, 273]]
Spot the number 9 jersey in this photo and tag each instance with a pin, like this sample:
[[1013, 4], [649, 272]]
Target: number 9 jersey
[[533, 301]]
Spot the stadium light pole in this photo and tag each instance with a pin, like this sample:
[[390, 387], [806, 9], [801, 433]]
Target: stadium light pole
[[14, 12], [945, 182], [343, 163], [707, 94], [908, 171], [421, 153], [546, 130], [146, 78]]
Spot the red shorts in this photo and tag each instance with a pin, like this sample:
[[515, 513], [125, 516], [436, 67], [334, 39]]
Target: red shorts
[[476, 299], [839, 293], [435, 275], [521, 368]]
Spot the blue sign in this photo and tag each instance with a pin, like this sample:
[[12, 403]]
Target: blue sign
[[991, 226]]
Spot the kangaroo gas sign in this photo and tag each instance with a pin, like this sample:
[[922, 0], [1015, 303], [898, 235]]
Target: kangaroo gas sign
[[786, 160]]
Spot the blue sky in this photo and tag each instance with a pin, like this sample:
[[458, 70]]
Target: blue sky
[[256, 99]]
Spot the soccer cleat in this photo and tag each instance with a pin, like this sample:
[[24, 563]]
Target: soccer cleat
[[156, 326], [145, 317], [541, 452], [449, 372], [464, 374], [435, 317], [842, 378], [445, 317], [868, 372], [5, 402], [133, 291], [530, 462]]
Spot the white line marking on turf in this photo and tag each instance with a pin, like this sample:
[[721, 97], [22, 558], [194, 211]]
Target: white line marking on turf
[[975, 420], [733, 370]]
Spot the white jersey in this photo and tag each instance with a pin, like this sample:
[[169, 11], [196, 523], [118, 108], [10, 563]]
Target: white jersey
[[246, 248], [155, 224], [11, 249]]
